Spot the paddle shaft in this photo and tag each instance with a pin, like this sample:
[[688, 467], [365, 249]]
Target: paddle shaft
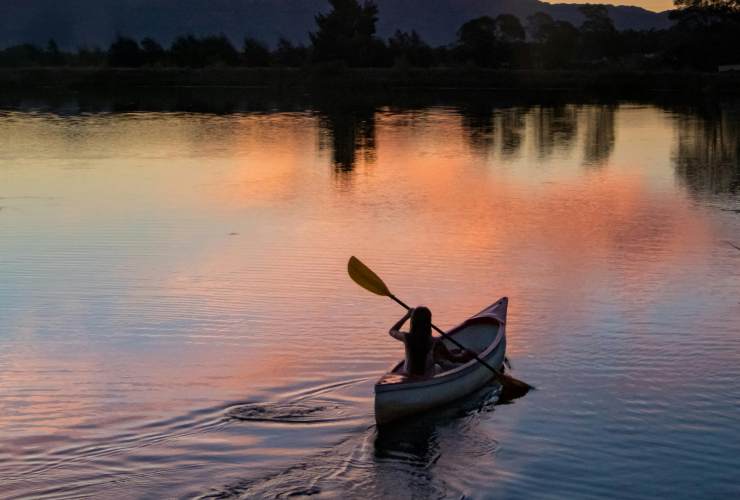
[[447, 337]]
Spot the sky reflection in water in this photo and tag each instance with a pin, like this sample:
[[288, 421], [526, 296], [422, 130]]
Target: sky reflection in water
[[176, 319]]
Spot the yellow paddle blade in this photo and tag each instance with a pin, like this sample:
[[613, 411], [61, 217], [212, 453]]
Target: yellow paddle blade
[[363, 276]]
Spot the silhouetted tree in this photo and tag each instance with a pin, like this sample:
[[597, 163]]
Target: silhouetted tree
[[193, 52], [287, 54], [707, 33], [21, 55], [598, 34], [562, 44], [476, 41], [53, 56], [510, 36], [219, 51], [186, 51], [704, 12], [409, 48], [509, 29], [90, 56], [491, 42], [152, 52], [539, 25], [347, 33], [125, 52], [255, 53]]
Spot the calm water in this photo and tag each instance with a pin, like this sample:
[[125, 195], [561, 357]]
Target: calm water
[[176, 319]]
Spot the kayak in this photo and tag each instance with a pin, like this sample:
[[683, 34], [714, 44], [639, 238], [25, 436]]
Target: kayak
[[398, 396]]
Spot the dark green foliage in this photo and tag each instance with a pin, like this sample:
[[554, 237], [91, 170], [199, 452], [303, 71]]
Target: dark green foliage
[[706, 35], [539, 25], [476, 42], [492, 43], [126, 53], [89, 57], [191, 52], [290, 55], [22, 55], [152, 52], [53, 56], [554, 42], [186, 52], [255, 53], [509, 29], [219, 51], [409, 49], [347, 33], [599, 38]]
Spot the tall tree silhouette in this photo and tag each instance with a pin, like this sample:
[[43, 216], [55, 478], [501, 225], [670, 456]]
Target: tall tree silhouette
[[707, 33], [347, 33], [554, 42], [255, 53], [125, 52], [490, 42], [193, 52], [509, 29], [510, 37], [288, 54], [152, 52], [477, 41], [409, 48], [600, 37]]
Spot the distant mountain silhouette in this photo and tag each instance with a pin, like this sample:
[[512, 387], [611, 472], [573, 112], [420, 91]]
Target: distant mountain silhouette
[[74, 23]]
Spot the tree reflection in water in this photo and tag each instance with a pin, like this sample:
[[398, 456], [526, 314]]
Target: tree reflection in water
[[554, 128], [598, 143], [348, 130], [551, 127], [479, 127], [706, 154]]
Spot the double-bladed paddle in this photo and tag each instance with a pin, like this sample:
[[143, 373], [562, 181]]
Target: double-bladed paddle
[[367, 279]]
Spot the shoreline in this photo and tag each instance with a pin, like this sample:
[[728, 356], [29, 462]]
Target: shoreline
[[321, 78]]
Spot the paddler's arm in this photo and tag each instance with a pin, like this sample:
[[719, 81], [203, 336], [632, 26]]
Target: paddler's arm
[[395, 330]]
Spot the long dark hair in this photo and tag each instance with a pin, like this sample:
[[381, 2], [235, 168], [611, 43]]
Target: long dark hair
[[419, 338]]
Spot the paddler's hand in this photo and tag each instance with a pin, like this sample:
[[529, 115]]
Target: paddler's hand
[[395, 330]]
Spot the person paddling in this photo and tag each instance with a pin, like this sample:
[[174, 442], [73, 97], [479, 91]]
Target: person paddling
[[424, 353]]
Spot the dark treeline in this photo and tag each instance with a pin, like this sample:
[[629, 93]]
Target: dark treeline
[[705, 35]]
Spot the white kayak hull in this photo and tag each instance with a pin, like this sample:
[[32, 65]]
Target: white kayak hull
[[398, 396]]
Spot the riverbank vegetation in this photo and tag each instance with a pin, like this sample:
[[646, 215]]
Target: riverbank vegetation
[[705, 36]]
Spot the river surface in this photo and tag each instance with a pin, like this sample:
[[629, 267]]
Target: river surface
[[176, 319]]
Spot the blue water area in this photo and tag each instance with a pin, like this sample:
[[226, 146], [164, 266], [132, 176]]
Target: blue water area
[[177, 321]]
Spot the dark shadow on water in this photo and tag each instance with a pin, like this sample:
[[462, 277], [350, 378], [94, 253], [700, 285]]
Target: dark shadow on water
[[395, 461], [414, 440]]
